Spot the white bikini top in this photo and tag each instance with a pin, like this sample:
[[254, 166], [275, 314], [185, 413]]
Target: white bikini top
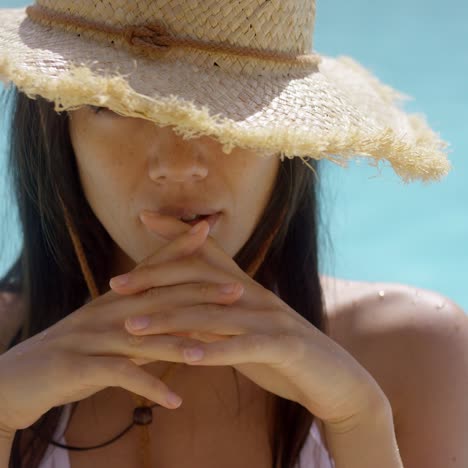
[[314, 453]]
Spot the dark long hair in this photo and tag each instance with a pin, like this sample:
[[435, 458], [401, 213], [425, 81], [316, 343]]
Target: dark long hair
[[42, 170]]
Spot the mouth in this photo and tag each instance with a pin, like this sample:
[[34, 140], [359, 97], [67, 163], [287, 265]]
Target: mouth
[[211, 219]]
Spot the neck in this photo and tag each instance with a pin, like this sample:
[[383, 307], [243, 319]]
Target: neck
[[210, 395]]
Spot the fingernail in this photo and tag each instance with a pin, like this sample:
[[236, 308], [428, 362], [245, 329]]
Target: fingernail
[[173, 399], [228, 288], [121, 280], [138, 323], [193, 354]]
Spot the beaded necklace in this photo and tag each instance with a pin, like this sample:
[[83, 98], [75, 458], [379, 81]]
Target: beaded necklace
[[143, 412]]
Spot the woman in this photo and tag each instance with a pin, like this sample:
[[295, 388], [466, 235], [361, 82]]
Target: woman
[[297, 368]]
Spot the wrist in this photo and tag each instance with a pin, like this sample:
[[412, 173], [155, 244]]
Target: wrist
[[368, 442], [376, 408]]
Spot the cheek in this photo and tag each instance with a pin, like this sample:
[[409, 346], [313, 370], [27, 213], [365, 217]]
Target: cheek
[[102, 146], [101, 151], [253, 186], [111, 197], [108, 182], [257, 183], [99, 176]]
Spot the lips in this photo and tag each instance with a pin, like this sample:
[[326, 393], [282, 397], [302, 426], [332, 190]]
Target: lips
[[188, 208], [211, 219], [185, 211]]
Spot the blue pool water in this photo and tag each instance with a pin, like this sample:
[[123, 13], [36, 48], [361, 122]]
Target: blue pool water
[[381, 229]]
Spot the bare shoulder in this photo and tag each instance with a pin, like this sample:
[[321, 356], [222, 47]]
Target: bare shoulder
[[11, 317], [391, 329], [358, 308]]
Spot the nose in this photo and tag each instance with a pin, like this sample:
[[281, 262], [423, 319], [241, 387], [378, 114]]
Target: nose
[[177, 160]]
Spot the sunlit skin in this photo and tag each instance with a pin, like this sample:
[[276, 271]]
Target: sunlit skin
[[128, 165], [346, 380]]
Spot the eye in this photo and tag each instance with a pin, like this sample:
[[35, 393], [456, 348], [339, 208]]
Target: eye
[[96, 109], [103, 110]]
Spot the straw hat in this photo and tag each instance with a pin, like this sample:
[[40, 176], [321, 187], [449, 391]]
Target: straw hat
[[243, 72]]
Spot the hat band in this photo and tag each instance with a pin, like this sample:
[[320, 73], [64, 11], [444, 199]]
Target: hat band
[[154, 39]]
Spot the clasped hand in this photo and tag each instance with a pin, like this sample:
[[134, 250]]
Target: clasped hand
[[250, 328]]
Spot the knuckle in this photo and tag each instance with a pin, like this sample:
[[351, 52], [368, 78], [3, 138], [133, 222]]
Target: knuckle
[[211, 312], [179, 347], [122, 370], [153, 293], [77, 319], [282, 319], [192, 261], [182, 344], [143, 270], [124, 367], [119, 370], [164, 316], [144, 267], [85, 318], [65, 340], [256, 343], [294, 344], [216, 310], [204, 290], [77, 316], [135, 340]]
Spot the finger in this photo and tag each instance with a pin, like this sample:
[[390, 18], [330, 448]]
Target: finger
[[120, 344], [122, 372], [186, 244], [190, 317], [183, 243], [102, 317], [205, 337], [166, 226], [276, 350], [177, 271], [279, 350], [170, 227], [205, 318]]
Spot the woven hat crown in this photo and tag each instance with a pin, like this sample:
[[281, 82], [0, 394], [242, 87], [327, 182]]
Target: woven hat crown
[[281, 25], [241, 71]]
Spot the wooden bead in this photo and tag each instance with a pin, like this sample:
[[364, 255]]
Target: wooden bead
[[143, 415]]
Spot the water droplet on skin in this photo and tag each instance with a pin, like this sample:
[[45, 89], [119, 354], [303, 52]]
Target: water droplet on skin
[[440, 305], [43, 335], [381, 294]]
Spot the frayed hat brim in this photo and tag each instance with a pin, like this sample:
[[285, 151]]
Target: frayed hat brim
[[338, 111]]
